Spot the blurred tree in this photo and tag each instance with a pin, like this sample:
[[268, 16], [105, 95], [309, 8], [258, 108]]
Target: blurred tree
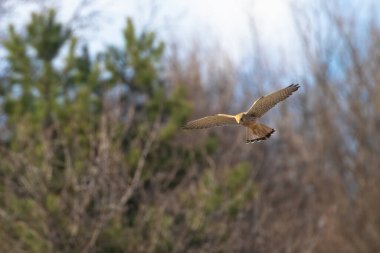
[[91, 158], [90, 140]]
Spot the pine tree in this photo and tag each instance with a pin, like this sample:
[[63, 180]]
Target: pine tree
[[88, 136]]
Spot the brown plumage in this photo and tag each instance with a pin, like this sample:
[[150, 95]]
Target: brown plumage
[[255, 131]]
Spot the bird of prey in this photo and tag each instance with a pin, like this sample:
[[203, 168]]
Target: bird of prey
[[254, 131]]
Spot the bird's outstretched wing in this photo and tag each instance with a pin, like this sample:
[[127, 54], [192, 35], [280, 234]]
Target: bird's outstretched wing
[[265, 103], [211, 121]]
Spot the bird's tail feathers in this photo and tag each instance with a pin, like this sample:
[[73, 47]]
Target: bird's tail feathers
[[258, 132]]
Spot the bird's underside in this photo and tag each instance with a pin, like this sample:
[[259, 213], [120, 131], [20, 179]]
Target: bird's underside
[[254, 131]]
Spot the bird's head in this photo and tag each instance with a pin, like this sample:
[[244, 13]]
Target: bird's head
[[239, 117]]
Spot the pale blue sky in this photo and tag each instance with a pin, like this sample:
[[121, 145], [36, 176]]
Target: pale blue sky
[[225, 22]]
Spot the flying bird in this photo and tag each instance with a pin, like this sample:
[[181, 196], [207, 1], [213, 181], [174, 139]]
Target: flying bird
[[255, 131]]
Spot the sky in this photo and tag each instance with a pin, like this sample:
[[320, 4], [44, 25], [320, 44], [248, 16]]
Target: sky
[[225, 22]]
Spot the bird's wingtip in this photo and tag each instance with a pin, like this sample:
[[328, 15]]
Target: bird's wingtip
[[295, 85]]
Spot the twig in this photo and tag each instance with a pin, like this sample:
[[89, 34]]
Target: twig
[[130, 190]]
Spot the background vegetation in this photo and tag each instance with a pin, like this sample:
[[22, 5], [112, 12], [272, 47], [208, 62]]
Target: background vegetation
[[92, 158]]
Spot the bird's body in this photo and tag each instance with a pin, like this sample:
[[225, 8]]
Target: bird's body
[[255, 131]]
